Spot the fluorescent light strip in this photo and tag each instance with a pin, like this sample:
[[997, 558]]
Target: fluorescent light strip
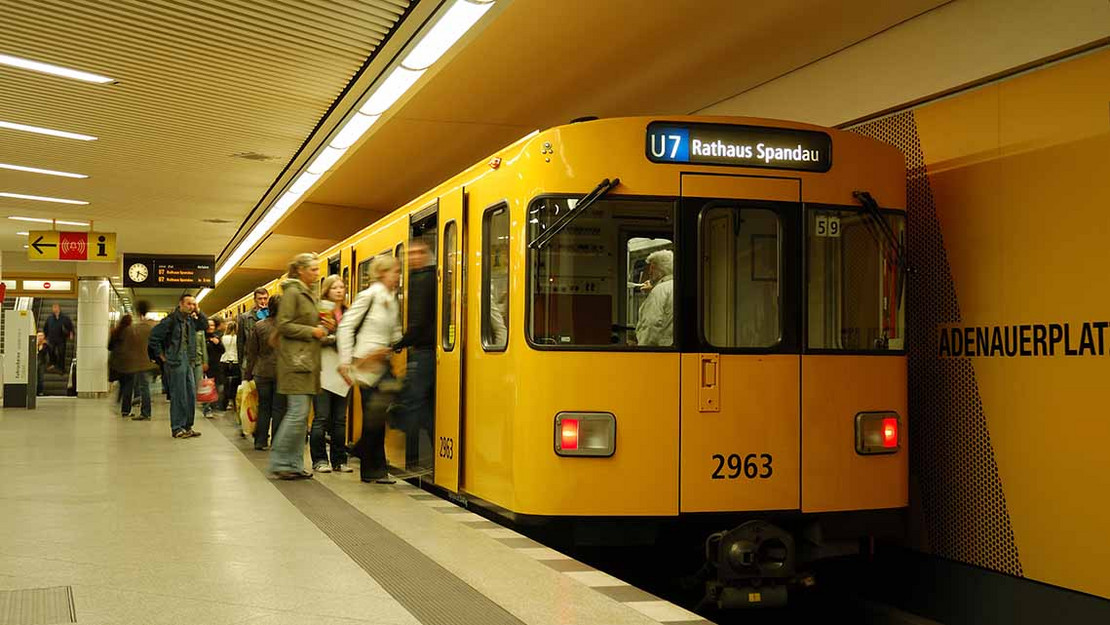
[[36, 170], [25, 234], [449, 29], [46, 131], [40, 220], [353, 130], [432, 45], [391, 90], [203, 294], [56, 70], [40, 198]]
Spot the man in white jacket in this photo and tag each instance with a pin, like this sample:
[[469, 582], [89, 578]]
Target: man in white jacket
[[655, 326]]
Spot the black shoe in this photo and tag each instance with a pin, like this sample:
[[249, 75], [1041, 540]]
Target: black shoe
[[141, 418]]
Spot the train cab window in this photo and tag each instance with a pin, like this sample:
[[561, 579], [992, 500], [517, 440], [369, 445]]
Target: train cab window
[[450, 256], [855, 289], [606, 280], [741, 256], [495, 279]]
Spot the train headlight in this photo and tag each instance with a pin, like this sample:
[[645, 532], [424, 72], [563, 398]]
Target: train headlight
[[878, 433], [585, 434]]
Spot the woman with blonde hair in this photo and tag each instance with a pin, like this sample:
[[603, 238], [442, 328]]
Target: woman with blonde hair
[[298, 364], [365, 335], [331, 402]]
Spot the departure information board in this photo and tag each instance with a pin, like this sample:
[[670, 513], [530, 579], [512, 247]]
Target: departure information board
[[157, 271], [739, 146]]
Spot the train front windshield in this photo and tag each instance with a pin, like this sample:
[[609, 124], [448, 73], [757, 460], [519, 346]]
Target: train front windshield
[[609, 280]]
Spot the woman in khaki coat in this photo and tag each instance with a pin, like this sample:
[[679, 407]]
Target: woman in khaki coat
[[298, 364]]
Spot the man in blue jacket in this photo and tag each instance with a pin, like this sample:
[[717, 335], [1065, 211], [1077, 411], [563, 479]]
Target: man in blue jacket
[[173, 343]]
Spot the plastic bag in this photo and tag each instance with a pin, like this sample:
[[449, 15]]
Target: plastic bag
[[247, 400], [206, 391]]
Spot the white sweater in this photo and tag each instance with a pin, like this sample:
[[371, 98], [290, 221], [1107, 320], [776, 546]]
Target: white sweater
[[382, 328]]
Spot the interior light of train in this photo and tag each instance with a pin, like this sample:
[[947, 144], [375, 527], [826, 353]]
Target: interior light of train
[[40, 220], [877, 433], [352, 130], [36, 170], [392, 88], [56, 70], [46, 131], [449, 29], [40, 198]]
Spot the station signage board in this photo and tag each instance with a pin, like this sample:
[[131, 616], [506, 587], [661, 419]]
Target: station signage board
[[739, 146], [160, 271], [81, 246]]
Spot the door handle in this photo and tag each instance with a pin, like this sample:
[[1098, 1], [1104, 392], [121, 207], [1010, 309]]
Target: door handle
[[709, 387]]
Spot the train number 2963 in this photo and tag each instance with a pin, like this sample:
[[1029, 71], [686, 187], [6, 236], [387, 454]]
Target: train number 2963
[[446, 447], [751, 466]]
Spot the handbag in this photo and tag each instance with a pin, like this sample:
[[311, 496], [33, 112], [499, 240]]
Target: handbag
[[206, 391]]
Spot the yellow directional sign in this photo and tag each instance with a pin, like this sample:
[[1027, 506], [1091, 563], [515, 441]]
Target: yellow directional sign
[[58, 245]]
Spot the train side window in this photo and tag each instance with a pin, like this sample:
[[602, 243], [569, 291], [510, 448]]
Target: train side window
[[741, 259], [450, 255], [495, 279], [364, 275]]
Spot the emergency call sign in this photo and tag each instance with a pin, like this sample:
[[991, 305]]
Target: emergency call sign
[[58, 245]]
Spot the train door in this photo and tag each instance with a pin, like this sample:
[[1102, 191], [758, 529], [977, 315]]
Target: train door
[[741, 366], [450, 341]]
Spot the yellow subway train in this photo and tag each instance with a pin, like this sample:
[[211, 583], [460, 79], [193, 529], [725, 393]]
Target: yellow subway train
[[663, 318]]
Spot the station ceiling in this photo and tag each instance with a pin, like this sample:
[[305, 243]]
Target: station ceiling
[[215, 99]]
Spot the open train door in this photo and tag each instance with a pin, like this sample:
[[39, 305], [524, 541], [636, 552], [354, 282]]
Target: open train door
[[450, 340], [741, 366]]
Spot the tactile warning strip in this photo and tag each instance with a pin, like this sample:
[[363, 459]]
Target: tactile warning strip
[[428, 591], [35, 606]]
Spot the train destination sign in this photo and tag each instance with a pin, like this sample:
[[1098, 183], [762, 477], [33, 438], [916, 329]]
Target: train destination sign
[[739, 146], [156, 271]]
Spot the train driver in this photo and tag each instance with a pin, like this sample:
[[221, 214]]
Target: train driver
[[655, 327]]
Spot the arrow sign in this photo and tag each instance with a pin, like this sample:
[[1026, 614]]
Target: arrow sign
[[39, 245]]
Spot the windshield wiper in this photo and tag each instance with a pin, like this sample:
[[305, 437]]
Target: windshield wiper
[[560, 224], [876, 215]]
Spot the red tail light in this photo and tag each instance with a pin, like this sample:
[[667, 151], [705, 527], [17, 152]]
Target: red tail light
[[890, 433], [569, 434]]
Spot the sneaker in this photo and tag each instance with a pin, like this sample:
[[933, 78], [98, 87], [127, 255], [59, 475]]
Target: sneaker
[[192, 433], [181, 434], [126, 415], [321, 467], [343, 468]]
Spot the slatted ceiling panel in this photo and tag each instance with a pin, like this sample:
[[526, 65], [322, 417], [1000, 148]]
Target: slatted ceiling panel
[[200, 81]]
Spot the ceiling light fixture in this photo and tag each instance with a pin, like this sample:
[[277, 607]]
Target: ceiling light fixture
[[24, 234], [46, 131], [40, 220], [56, 70], [36, 170], [203, 293], [427, 47], [40, 198], [449, 29]]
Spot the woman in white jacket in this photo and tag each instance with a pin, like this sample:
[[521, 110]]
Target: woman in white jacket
[[364, 337]]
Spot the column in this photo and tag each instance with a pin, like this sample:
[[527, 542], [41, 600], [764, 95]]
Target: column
[[93, 295]]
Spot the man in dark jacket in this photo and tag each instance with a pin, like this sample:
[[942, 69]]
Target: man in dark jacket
[[246, 323], [58, 329], [174, 342], [417, 405]]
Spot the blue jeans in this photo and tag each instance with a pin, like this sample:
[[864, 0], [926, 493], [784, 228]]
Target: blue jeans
[[135, 384], [418, 396], [271, 409], [331, 418], [287, 453], [183, 396]]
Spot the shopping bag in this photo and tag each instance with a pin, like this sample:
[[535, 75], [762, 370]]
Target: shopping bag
[[206, 391], [247, 400]]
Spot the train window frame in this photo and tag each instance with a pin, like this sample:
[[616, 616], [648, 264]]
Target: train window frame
[[449, 333], [678, 244], [780, 211], [487, 215], [803, 339]]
